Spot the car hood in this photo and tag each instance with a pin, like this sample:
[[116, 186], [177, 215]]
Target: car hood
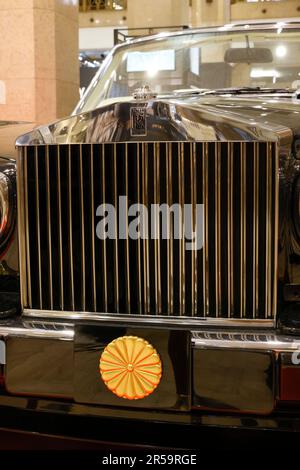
[[187, 118]]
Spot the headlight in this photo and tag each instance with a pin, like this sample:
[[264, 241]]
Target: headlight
[[8, 204]]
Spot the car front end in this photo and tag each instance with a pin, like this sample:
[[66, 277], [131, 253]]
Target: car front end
[[159, 245]]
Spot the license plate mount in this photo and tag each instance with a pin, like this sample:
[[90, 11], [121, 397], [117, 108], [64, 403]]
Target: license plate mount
[[173, 347]]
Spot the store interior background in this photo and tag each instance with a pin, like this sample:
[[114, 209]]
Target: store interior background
[[50, 49]]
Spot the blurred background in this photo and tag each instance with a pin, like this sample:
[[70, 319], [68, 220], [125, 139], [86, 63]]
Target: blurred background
[[51, 49]]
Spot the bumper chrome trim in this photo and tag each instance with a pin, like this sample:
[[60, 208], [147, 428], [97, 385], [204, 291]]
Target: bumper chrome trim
[[268, 340], [209, 337], [147, 320], [60, 332]]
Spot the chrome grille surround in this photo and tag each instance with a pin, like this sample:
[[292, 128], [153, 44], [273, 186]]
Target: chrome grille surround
[[67, 271]]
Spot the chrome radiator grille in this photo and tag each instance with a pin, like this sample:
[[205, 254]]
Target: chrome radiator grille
[[65, 267]]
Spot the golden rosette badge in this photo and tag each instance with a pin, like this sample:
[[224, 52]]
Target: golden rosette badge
[[130, 367]]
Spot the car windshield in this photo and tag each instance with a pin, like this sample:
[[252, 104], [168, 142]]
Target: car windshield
[[192, 62]]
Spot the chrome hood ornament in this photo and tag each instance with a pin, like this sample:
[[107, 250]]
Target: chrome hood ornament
[[144, 93]]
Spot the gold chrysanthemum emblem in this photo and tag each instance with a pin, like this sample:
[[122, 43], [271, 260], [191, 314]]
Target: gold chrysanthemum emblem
[[130, 367]]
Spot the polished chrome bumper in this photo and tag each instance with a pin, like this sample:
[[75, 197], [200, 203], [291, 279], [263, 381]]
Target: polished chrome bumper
[[233, 370]]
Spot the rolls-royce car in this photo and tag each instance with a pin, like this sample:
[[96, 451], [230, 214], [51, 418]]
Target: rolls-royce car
[[158, 283]]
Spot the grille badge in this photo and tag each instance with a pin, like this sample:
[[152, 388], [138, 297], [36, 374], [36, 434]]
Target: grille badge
[[138, 121]]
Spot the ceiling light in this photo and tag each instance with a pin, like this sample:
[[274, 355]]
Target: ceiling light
[[281, 51]]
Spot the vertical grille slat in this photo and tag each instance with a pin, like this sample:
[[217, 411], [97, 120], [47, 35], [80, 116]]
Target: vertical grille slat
[[127, 256], [268, 230], [104, 244], [230, 284], [93, 230], [61, 263], [169, 198], [243, 260], [70, 227], [275, 228], [156, 163], [218, 228], [22, 225], [194, 264], [255, 235], [28, 249], [233, 276], [205, 246], [139, 243], [181, 187], [116, 247], [146, 274], [82, 209], [49, 227], [38, 229]]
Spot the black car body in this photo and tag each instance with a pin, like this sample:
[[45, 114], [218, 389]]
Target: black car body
[[223, 319]]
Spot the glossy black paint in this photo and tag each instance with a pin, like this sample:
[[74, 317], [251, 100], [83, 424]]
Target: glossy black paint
[[234, 380], [173, 346], [39, 367], [289, 319], [125, 427]]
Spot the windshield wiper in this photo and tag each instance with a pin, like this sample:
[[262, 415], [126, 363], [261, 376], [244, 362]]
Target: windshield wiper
[[231, 91], [246, 90]]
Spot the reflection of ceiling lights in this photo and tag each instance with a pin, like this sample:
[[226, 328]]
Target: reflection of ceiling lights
[[151, 72], [280, 26], [226, 27], [281, 51], [262, 73]]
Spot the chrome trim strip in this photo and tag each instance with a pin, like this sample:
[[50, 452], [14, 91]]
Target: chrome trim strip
[[104, 258], [70, 227], [217, 227], [128, 300], [49, 225], [116, 248], [243, 273], [81, 185], [276, 233], [255, 235], [157, 261], [38, 228], [266, 338], [28, 271], [64, 335], [239, 26], [230, 250], [242, 340], [145, 241], [194, 264], [139, 243], [149, 319], [205, 246], [182, 240], [269, 232], [93, 229], [61, 265], [21, 227], [170, 230]]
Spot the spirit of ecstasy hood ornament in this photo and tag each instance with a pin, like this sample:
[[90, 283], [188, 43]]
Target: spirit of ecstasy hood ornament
[[144, 93]]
